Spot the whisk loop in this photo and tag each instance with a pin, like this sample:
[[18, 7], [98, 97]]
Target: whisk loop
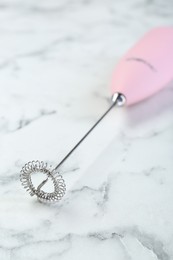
[[58, 182]]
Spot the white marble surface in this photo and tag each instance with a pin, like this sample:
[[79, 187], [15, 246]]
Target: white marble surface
[[56, 59]]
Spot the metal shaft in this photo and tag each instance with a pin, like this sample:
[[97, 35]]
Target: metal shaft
[[117, 99]]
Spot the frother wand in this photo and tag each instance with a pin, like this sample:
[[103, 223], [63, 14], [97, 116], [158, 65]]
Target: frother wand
[[141, 72]]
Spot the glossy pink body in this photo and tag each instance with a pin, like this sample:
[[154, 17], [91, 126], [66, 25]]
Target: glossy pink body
[[147, 67]]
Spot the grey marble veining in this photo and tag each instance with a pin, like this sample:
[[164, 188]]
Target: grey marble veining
[[56, 60]]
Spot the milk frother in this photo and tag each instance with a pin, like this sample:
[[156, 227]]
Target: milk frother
[[144, 70]]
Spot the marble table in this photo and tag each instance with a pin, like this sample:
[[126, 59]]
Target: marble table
[[56, 60]]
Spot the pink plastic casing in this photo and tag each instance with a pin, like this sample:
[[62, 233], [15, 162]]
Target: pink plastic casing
[[146, 68]]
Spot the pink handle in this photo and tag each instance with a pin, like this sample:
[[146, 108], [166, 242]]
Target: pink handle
[[147, 67]]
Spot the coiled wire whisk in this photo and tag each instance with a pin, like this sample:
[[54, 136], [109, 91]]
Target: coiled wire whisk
[[36, 167]]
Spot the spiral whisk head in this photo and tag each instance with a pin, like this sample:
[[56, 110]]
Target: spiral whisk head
[[41, 167]]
